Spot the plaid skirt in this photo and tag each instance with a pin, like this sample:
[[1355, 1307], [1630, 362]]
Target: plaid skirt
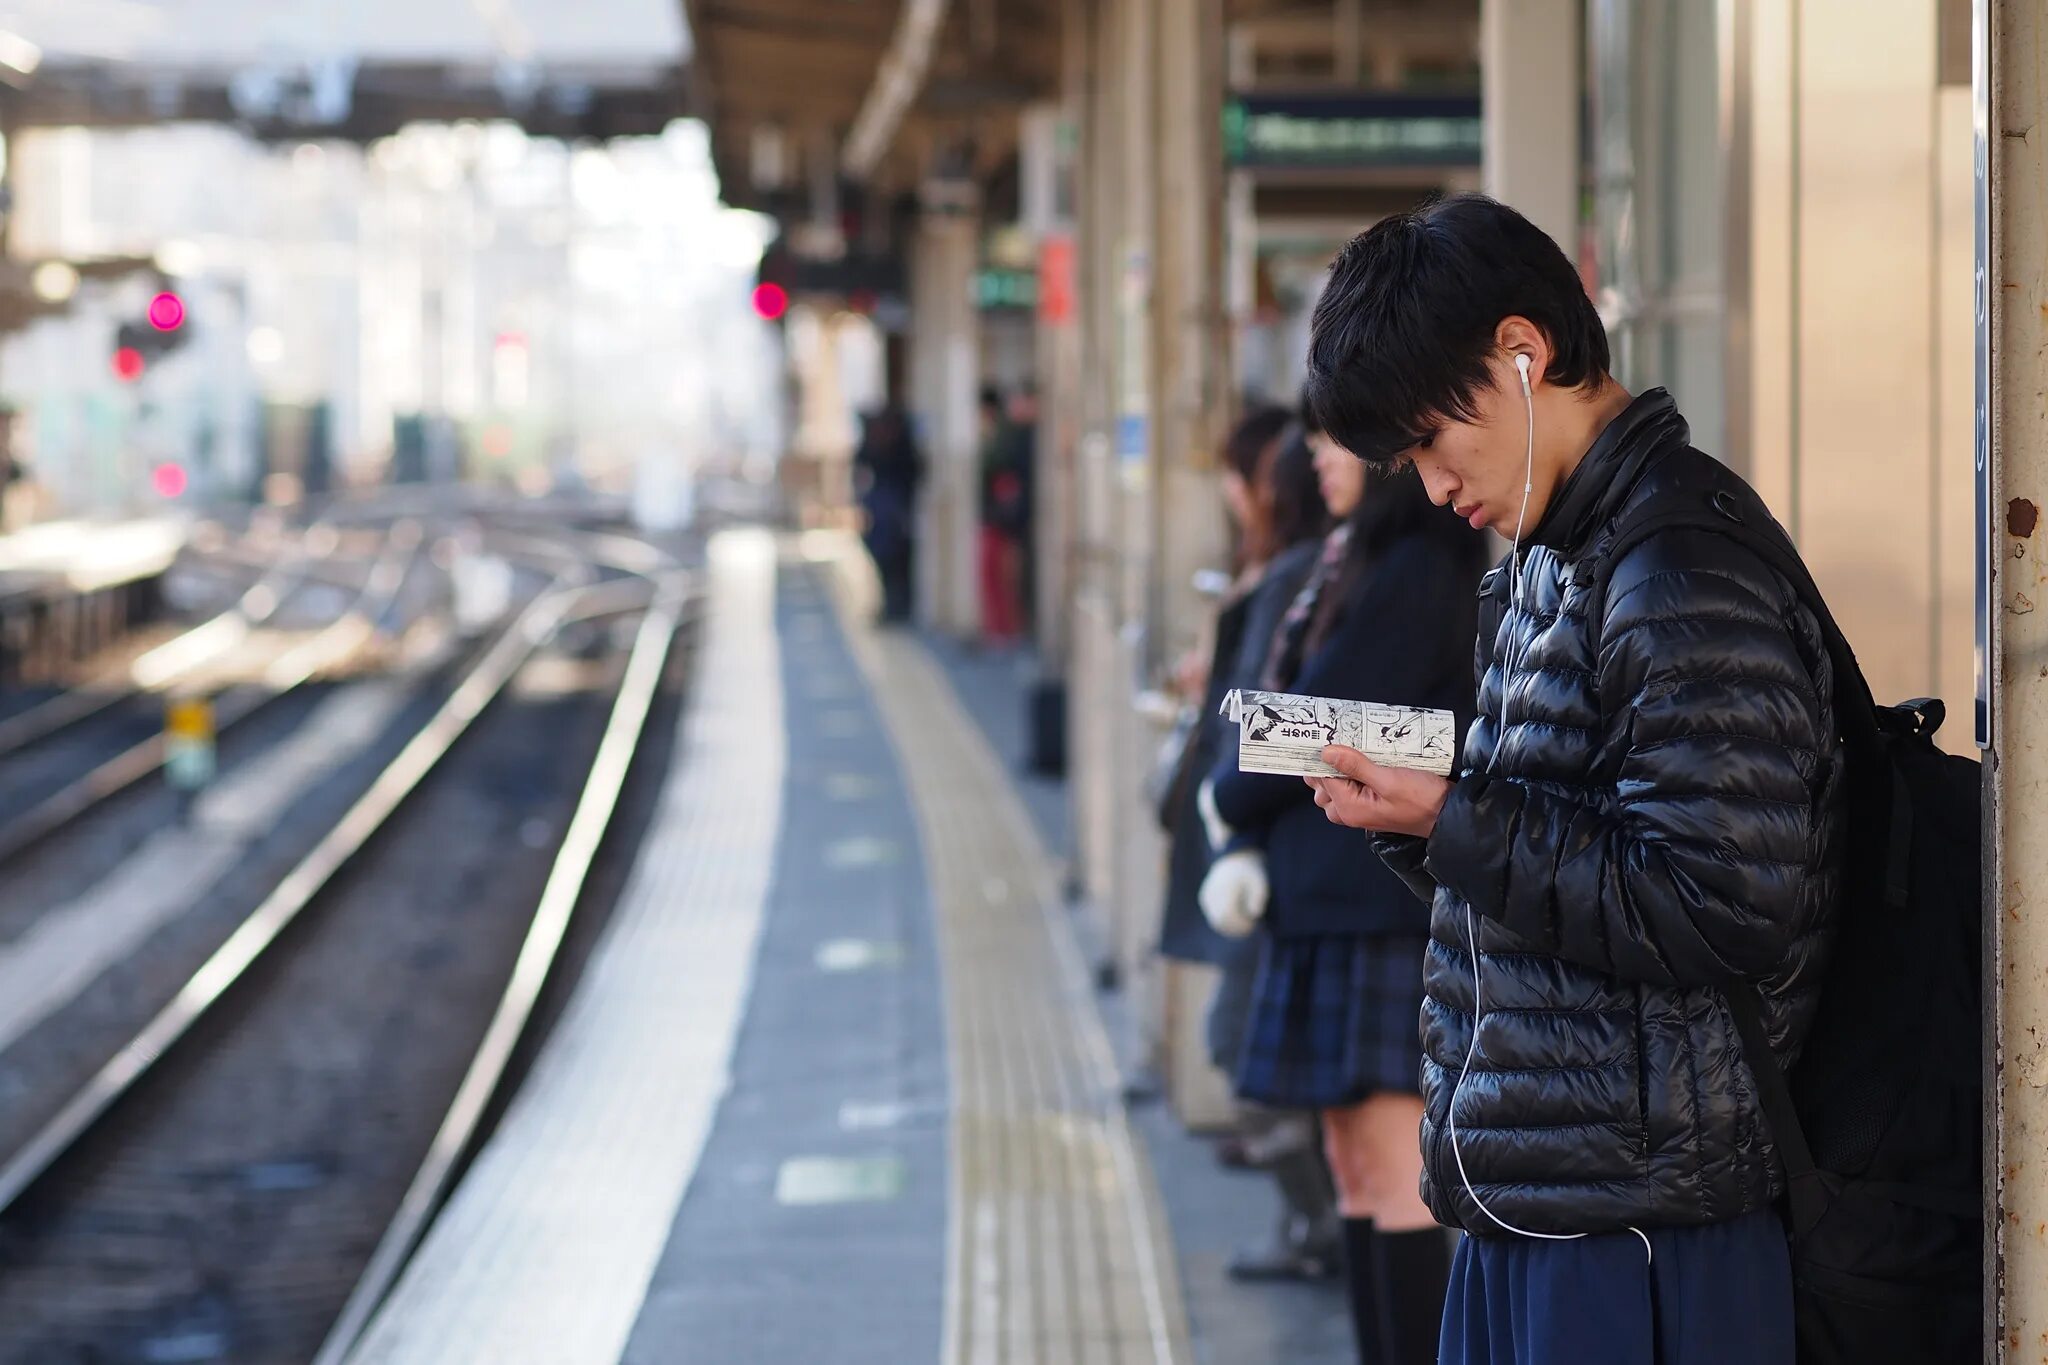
[[1334, 1018]]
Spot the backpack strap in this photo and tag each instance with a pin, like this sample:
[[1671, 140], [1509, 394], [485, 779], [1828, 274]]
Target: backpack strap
[[1721, 513], [1879, 793], [1804, 1183]]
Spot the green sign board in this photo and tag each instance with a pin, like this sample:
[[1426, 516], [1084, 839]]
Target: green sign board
[[997, 287], [1348, 130]]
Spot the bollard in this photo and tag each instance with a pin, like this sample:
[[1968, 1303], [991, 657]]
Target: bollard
[[189, 763]]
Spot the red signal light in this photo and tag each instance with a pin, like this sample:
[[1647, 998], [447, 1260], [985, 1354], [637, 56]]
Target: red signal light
[[771, 300], [127, 364], [169, 480], [167, 312]]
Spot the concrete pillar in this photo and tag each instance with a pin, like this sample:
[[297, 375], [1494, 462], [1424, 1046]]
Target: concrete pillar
[[944, 367], [2013, 284], [1191, 379], [1192, 402], [1154, 398], [1137, 439], [814, 477], [1529, 61], [1061, 407], [1094, 693]]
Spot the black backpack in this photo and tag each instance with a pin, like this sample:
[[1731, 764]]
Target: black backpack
[[1879, 1125]]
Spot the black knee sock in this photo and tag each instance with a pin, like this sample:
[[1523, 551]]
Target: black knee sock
[[1410, 1270], [1364, 1283]]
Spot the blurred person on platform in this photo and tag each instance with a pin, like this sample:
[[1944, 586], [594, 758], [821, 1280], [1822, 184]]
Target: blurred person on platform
[[1005, 485], [1384, 616], [1022, 410], [1275, 504], [888, 470]]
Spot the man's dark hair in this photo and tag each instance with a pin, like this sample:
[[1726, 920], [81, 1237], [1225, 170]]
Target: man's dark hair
[[1401, 337]]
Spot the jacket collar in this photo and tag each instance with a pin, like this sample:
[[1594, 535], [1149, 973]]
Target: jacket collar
[[1593, 494]]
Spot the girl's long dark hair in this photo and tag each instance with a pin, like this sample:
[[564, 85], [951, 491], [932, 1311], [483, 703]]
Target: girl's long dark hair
[[1395, 506], [1249, 453], [1294, 495]]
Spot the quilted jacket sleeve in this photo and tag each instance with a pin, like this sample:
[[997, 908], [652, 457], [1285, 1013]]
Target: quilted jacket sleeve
[[1407, 857], [1691, 875]]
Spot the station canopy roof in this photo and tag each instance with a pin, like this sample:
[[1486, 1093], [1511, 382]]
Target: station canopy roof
[[349, 68], [803, 71]]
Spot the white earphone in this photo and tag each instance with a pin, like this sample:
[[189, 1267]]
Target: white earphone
[[1523, 361]]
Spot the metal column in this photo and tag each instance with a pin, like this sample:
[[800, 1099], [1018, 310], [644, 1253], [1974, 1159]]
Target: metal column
[[2012, 293]]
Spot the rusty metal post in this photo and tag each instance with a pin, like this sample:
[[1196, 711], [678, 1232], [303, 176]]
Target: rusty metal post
[[2013, 319]]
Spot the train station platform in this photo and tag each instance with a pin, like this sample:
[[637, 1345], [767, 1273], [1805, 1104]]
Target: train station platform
[[837, 1086], [69, 589]]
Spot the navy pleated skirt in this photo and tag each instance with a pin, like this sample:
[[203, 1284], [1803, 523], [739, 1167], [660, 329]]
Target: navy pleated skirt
[[1714, 1295], [1334, 1018], [1230, 1010]]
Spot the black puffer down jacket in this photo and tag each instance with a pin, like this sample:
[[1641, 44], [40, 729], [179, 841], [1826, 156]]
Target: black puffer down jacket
[[1650, 808]]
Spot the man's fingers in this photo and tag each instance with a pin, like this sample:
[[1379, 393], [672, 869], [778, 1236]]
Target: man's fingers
[[1349, 762]]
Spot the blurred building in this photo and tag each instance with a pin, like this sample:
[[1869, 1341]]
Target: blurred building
[[488, 303], [414, 240]]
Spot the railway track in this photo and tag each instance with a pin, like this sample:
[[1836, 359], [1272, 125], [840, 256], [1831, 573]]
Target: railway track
[[251, 1168], [83, 748]]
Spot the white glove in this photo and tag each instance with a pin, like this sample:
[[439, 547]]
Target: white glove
[[1219, 833], [1233, 895]]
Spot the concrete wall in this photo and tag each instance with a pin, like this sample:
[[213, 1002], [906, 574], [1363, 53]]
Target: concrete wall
[[1849, 345]]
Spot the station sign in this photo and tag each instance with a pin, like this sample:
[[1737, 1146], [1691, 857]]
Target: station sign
[[1344, 130], [1002, 287], [1056, 283]]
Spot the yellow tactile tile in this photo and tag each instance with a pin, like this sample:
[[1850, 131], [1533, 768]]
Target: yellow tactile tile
[[1058, 1252]]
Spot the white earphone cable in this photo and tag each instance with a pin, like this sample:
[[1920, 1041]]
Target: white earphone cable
[[1528, 478], [1509, 667]]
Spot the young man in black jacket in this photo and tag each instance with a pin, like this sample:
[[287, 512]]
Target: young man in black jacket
[[1649, 811]]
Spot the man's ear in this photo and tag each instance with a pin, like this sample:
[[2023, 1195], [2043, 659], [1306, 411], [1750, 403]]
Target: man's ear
[[1517, 335]]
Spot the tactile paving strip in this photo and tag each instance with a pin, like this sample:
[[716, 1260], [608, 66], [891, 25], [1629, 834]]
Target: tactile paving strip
[[544, 1253], [1059, 1252]]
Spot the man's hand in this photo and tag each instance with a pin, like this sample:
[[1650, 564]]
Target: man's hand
[[1385, 800]]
